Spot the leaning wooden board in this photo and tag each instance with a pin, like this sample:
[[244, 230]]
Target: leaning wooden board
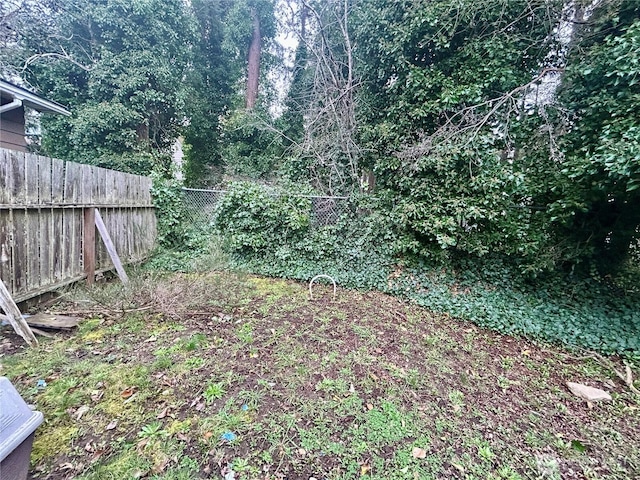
[[14, 317]]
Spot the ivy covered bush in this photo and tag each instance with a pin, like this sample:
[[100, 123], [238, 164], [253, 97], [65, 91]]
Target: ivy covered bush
[[271, 232], [255, 218]]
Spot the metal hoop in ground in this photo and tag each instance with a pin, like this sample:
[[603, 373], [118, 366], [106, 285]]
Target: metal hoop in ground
[[321, 276]]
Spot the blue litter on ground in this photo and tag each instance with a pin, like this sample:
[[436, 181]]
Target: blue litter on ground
[[228, 436]]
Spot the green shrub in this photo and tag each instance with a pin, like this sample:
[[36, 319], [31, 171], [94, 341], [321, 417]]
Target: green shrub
[[365, 249], [270, 232], [255, 218]]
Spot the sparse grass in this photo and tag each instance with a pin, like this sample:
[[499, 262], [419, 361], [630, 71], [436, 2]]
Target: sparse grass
[[338, 390]]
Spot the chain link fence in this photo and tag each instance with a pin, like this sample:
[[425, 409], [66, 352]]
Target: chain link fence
[[200, 206]]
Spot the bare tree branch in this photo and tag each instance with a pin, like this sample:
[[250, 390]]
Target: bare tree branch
[[467, 122], [63, 56]]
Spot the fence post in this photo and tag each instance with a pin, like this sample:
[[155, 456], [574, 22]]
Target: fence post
[[89, 245]]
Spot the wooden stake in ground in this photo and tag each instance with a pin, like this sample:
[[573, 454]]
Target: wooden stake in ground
[[89, 245], [15, 317], [106, 238]]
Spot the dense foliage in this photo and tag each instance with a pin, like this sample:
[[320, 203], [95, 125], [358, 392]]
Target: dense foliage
[[475, 161], [494, 140], [276, 233], [460, 186], [602, 148], [135, 75], [220, 135], [253, 217], [119, 67]]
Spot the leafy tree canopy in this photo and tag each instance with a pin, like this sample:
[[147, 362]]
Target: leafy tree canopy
[[473, 161], [120, 67]]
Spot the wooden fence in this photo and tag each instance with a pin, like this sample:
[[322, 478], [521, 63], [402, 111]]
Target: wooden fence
[[46, 221]]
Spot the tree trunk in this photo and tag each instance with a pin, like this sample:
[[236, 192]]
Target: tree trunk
[[253, 72]]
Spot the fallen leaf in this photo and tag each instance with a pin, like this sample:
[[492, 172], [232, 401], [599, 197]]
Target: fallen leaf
[[66, 466], [418, 452], [127, 392], [207, 435], [525, 353], [364, 469], [160, 464], [81, 411], [163, 413], [141, 444], [460, 468], [457, 408], [96, 395], [131, 398], [590, 394], [183, 437], [112, 424], [97, 454], [369, 406]]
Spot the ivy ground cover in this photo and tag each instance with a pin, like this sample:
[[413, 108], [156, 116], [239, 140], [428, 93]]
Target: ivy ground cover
[[219, 375]]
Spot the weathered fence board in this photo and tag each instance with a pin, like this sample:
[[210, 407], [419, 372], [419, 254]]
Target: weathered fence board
[[42, 220]]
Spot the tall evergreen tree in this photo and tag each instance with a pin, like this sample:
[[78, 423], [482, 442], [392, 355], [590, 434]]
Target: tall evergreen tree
[[212, 80]]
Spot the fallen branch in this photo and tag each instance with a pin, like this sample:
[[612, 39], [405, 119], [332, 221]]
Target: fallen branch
[[627, 377]]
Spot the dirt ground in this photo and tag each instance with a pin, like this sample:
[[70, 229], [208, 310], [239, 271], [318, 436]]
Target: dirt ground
[[227, 376]]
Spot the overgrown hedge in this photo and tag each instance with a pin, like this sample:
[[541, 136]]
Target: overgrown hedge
[[270, 232]]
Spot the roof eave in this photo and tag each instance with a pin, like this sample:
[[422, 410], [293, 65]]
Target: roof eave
[[32, 100]]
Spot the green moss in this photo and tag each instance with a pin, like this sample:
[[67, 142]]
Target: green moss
[[178, 426], [51, 441], [117, 379], [88, 327], [127, 464], [274, 288]]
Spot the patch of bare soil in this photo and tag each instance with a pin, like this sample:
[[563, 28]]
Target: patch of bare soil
[[311, 389]]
